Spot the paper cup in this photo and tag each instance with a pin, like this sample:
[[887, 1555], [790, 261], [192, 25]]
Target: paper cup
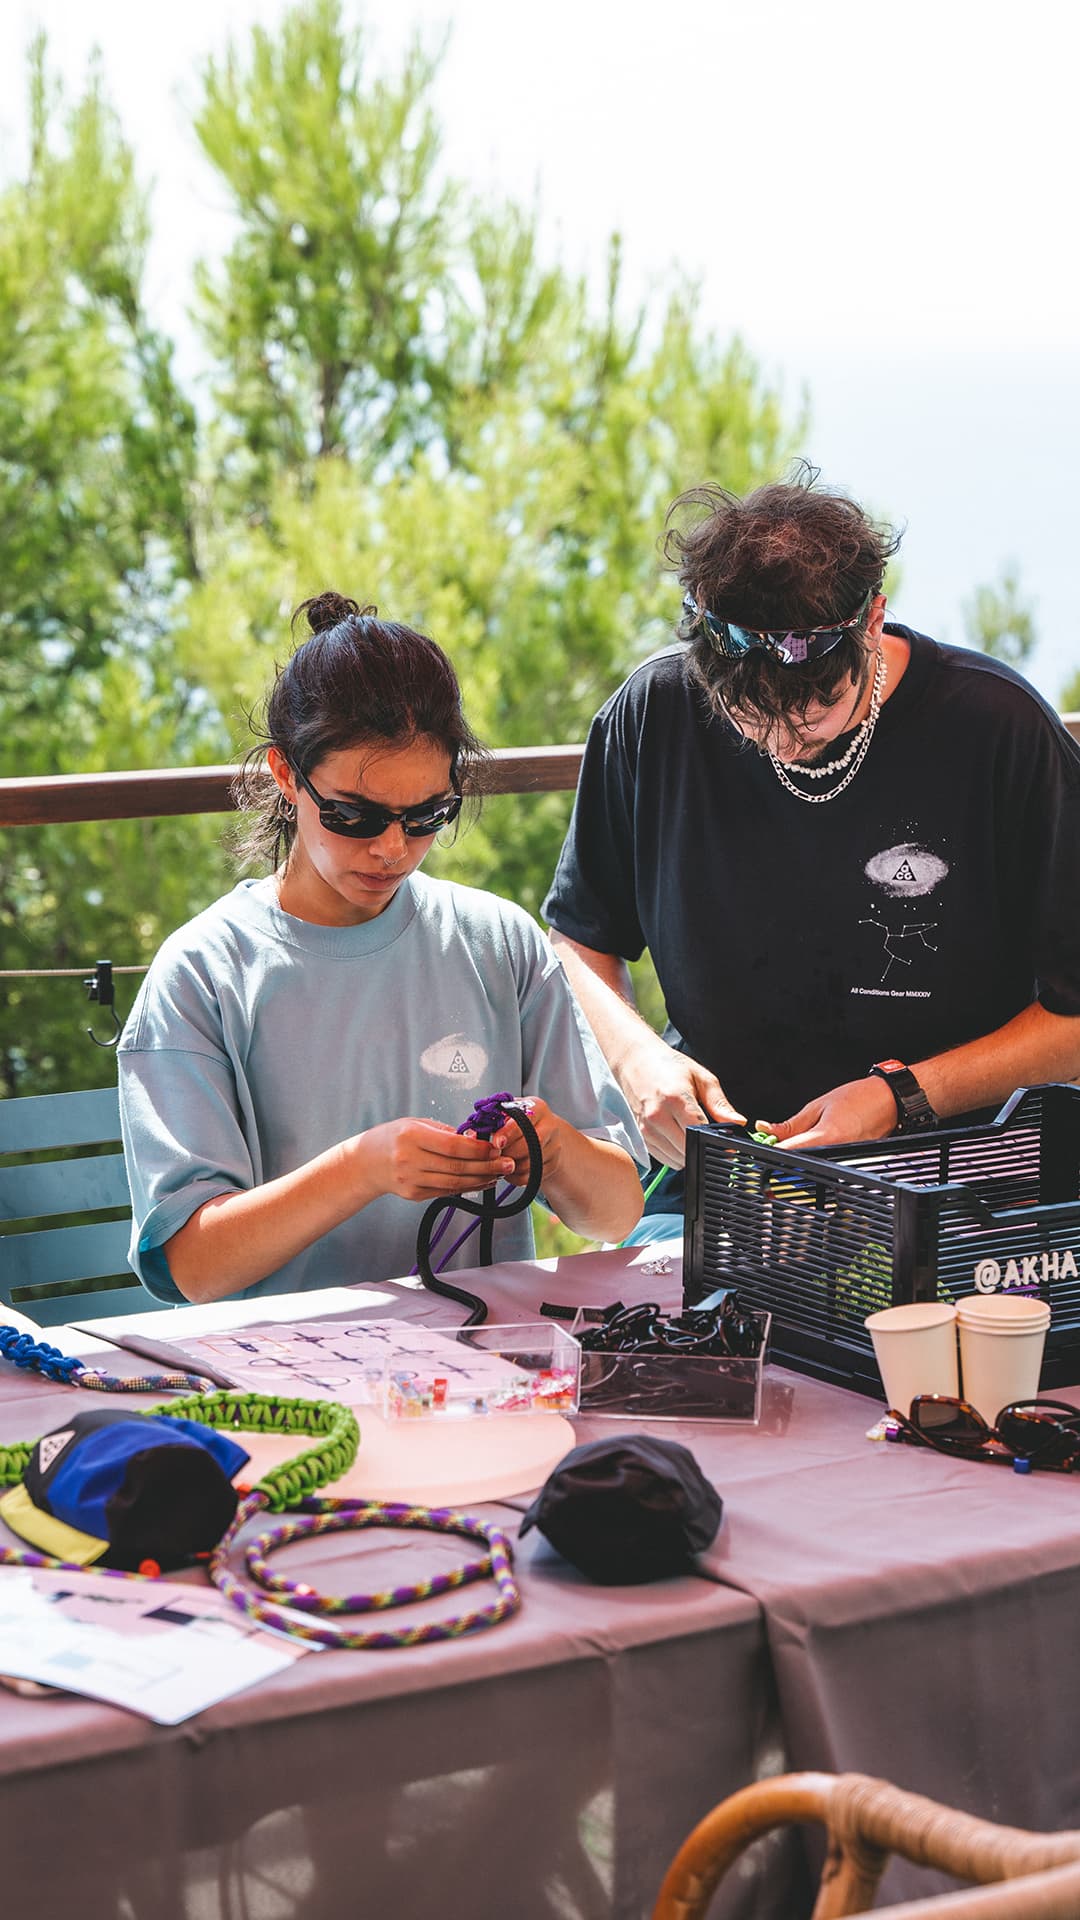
[[915, 1348], [1002, 1336]]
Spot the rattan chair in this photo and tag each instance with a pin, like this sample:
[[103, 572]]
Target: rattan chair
[[1018, 1875]]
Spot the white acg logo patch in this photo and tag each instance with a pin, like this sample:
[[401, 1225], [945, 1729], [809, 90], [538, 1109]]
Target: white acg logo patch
[[50, 1446], [459, 1061]]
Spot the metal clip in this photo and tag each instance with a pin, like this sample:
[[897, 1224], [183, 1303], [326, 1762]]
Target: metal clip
[[99, 987]]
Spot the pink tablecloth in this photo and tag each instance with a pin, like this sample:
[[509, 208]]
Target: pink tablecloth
[[867, 1607]]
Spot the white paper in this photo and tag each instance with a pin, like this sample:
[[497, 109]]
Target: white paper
[[158, 1647], [183, 1323], [348, 1359]]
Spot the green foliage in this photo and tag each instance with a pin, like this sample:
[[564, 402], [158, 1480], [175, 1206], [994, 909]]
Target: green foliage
[[1000, 622], [418, 410], [318, 319], [96, 468], [96, 443], [410, 403], [553, 1238]]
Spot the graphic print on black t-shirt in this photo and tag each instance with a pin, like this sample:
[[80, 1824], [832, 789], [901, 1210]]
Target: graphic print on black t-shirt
[[903, 881]]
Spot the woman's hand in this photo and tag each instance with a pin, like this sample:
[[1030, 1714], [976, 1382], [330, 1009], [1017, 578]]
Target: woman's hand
[[238, 1238], [859, 1110], [591, 1184], [425, 1159], [550, 1131], [668, 1092]]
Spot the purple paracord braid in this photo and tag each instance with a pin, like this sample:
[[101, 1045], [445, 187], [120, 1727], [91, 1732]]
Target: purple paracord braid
[[324, 1516], [315, 1516], [487, 1115], [473, 1227], [29, 1557], [144, 1382]]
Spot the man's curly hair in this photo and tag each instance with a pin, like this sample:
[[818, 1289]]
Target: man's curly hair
[[791, 555]]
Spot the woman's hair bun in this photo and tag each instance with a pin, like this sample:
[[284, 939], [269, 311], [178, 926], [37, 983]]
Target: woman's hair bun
[[329, 609]]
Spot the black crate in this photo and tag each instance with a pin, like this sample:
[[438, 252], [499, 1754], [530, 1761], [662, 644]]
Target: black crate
[[821, 1240]]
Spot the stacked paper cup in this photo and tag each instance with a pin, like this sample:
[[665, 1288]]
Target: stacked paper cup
[[915, 1348], [1002, 1336]]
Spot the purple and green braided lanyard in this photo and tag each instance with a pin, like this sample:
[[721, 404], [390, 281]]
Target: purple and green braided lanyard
[[336, 1516]]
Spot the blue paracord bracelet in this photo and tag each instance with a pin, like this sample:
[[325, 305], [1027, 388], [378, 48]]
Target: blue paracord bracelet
[[37, 1356]]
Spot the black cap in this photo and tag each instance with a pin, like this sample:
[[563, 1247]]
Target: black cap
[[627, 1510]]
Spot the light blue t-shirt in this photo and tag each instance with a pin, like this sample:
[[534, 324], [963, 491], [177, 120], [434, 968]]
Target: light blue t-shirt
[[258, 1041]]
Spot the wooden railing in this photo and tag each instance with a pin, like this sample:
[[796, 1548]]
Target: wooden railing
[[153, 793]]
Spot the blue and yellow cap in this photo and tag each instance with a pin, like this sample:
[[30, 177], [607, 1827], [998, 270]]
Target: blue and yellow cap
[[126, 1490]]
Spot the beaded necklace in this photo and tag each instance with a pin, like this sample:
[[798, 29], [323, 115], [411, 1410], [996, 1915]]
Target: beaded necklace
[[852, 759]]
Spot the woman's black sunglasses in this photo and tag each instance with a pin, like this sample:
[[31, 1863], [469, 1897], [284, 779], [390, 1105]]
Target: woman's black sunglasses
[[368, 820], [1043, 1433]]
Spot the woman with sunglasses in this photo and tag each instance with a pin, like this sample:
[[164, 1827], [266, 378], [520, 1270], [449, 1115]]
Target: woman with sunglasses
[[853, 853], [301, 1054]]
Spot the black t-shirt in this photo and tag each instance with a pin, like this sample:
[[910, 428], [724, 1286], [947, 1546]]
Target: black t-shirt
[[795, 945]]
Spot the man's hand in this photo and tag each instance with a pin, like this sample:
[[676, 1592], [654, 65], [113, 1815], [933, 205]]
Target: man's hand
[[859, 1110], [669, 1092]]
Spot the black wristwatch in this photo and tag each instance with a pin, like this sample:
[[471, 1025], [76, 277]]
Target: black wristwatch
[[914, 1113]]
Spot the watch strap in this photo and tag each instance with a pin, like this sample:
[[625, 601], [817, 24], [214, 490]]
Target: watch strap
[[913, 1110]]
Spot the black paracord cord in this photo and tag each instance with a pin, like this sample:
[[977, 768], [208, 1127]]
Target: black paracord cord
[[488, 1208]]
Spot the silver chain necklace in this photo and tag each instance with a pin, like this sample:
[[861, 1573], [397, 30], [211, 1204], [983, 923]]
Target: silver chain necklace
[[854, 756]]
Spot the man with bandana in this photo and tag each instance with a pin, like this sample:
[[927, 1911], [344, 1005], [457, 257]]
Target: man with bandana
[[852, 852]]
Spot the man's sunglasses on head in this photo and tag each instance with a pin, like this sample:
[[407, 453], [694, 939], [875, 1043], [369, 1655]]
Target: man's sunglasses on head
[[366, 820], [792, 649], [1027, 1433]]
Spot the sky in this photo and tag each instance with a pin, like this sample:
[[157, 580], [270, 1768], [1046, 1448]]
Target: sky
[[880, 201]]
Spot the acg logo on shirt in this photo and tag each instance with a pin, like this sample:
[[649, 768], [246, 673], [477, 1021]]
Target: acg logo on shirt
[[906, 872], [458, 1060]]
